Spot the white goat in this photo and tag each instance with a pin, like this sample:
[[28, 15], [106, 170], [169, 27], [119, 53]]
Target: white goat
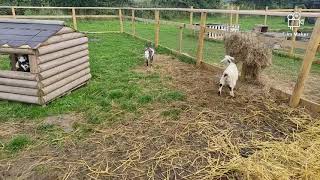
[[23, 63], [149, 55], [230, 75]]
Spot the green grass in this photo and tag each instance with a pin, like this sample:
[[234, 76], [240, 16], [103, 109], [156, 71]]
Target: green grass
[[214, 51], [172, 96], [246, 22], [92, 26], [114, 85], [17, 143], [4, 62]]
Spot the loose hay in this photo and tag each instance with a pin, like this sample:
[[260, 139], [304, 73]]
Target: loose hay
[[248, 137], [250, 51]]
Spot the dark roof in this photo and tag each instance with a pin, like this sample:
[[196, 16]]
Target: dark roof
[[27, 33]]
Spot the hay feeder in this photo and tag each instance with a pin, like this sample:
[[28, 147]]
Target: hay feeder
[[58, 58], [254, 54]]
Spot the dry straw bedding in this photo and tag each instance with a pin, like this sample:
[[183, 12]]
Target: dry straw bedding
[[252, 136]]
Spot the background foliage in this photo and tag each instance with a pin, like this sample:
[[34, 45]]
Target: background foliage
[[258, 4]]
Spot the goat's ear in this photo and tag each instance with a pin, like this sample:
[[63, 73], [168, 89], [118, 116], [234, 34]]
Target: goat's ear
[[231, 58]]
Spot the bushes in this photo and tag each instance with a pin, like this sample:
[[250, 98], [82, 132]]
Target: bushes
[[202, 4]]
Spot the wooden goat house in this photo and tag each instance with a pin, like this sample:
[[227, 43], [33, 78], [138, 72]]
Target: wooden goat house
[[58, 57]]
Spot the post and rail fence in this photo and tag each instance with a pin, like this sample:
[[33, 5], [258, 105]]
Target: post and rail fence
[[310, 47]]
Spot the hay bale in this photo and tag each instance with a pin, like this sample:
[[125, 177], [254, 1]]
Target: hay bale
[[252, 53]]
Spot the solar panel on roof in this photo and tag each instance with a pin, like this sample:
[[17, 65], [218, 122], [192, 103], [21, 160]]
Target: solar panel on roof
[[16, 34]]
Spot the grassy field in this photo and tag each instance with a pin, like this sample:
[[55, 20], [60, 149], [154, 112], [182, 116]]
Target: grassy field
[[110, 88]]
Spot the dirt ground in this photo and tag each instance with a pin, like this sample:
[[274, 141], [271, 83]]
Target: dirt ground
[[212, 137], [311, 90]]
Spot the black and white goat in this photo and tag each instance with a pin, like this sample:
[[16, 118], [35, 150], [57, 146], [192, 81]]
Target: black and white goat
[[149, 55], [230, 75], [23, 63]]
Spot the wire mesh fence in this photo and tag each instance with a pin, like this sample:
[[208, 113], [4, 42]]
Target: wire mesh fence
[[89, 20]]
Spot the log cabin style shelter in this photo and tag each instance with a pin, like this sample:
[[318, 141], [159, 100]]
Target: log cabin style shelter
[[58, 59]]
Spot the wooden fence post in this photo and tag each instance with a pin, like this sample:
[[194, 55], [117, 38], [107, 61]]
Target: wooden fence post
[[157, 28], [180, 38], [231, 15], [191, 16], [294, 34], [133, 19], [306, 65], [201, 38], [13, 11], [266, 16], [74, 19], [121, 21], [237, 15]]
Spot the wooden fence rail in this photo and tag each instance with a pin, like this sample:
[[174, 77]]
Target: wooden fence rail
[[221, 11]]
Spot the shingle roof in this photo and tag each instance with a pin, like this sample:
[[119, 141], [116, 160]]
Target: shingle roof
[[26, 33]]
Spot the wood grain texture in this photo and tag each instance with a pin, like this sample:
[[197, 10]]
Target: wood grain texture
[[19, 90], [19, 98], [65, 30], [65, 52], [17, 75], [63, 67], [63, 60], [62, 38], [65, 74], [18, 83], [66, 88], [201, 38], [64, 81], [157, 28], [9, 50], [62, 45]]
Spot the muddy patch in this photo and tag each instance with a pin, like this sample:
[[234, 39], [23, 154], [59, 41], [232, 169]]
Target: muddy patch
[[64, 121]]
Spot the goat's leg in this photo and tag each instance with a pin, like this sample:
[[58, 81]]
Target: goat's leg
[[151, 61], [220, 88], [222, 83], [231, 91]]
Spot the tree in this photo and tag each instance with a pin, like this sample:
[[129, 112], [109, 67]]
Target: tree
[[261, 4], [188, 3], [94, 3]]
